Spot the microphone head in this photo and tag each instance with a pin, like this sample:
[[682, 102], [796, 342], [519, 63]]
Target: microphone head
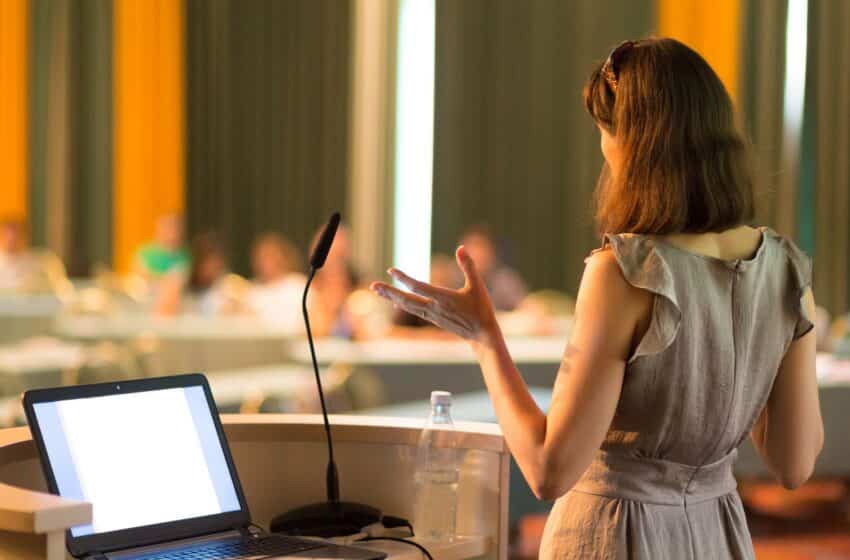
[[323, 246]]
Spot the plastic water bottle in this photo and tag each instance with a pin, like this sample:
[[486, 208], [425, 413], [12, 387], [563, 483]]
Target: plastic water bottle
[[437, 474]]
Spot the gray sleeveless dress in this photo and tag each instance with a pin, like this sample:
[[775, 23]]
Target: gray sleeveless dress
[[661, 486]]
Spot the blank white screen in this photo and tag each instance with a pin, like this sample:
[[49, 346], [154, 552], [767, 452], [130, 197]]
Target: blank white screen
[[141, 458]]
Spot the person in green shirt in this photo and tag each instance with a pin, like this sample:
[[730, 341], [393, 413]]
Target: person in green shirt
[[166, 254]]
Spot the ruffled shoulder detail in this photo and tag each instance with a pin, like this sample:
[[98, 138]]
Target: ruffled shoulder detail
[[800, 274], [645, 268]]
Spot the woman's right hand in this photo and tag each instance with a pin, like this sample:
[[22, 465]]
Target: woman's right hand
[[467, 312]]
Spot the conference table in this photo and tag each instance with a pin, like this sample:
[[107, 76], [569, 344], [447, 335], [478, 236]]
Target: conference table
[[411, 369], [184, 343], [38, 362], [264, 359], [26, 315], [290, 386]]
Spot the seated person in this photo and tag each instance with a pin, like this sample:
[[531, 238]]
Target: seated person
[[275, 296], [334, 283], [166, 253], [18, 264], [405, 325], [207, 273], [507, 288]]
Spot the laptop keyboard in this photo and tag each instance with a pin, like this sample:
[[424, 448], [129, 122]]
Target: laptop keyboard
[[254, 549]]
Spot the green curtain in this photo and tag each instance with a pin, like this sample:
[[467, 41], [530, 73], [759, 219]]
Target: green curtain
[[71, 131], [91, 135], [39, 74], [514, 148], [267, 117], [762, 77], [826, 174]]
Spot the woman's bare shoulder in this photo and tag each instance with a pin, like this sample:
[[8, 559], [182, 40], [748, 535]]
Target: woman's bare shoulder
[[604, 272]]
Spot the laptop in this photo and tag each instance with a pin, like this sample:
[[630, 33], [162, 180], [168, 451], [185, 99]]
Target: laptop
[[151, 457]]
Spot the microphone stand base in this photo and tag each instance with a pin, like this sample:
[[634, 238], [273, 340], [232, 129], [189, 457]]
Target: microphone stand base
[[326, 519]]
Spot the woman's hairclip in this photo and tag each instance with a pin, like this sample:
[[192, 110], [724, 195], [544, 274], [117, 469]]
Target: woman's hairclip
[[611, 69]]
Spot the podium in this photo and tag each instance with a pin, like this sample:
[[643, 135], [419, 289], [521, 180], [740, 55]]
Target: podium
[[281, 461]]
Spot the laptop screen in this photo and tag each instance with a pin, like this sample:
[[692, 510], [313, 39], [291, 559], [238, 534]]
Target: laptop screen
[[140, 458]]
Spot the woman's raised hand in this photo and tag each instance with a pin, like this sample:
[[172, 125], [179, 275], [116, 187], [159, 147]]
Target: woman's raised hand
[[467, 312]]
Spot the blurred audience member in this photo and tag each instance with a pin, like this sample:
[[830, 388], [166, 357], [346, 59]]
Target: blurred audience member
[[208, 271], [444, 270], [18, 265], [507, 288], [166, 253], [405, 325], [278, 283], [333, 285], [543, 313], [167, 294]]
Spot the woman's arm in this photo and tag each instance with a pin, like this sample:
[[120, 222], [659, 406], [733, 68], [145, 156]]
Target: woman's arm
[[551, 450], [789, 432]]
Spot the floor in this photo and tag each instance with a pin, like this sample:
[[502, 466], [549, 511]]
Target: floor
[[811, 523]]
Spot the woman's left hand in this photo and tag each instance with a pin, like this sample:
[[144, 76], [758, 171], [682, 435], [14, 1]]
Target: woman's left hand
[[467, 312]]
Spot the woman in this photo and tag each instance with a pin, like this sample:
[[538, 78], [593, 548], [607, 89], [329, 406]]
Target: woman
[[692, 331], [334, 284], [506, 287], [275, 296], [207, 271], [18, 264]]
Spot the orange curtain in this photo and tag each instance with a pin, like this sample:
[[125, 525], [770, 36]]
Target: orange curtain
[[149, 139], [710, 27], [14, 41]]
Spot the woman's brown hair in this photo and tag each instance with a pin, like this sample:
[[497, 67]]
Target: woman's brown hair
[[685, 167]]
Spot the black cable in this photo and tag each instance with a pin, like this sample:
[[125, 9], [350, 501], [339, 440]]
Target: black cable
[[405, 541], [391, 522]]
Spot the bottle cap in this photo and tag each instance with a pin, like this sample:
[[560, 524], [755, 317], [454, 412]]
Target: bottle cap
[[441, 397]]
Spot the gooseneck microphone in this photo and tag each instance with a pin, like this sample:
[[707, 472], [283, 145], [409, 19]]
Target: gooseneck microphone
[[332, 518], [317, 261], [323, 246]]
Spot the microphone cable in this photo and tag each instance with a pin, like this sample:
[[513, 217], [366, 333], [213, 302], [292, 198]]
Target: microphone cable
[[401, 540]]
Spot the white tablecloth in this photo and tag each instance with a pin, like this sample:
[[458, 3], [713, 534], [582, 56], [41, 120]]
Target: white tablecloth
[[187, 343], [23, 316]]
